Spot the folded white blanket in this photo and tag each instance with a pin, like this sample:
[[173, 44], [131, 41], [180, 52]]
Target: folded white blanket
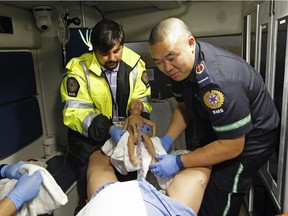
[[50, 196], [120, 157]]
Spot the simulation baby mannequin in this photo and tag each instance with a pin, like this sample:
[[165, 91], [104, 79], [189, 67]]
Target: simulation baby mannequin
[[135, 109]]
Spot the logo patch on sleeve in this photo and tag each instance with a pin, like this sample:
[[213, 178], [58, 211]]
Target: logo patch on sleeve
[[145, 79], [214, 100], [72, 87], [200, 68]]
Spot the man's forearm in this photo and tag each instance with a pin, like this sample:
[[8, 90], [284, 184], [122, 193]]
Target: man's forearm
[[7, 207]]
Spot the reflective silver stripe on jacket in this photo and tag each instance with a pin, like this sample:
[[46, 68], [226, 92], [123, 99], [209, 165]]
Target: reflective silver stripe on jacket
[[78, 104], [86, 71], [89, 118], [87, 122], [82, 105]]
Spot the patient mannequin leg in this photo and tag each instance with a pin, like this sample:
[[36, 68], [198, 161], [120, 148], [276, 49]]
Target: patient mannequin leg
[[99, 172], [131, 146], [150, 147], [189, 185]]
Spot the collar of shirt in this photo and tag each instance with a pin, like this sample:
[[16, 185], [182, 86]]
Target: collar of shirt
[[110, 71]]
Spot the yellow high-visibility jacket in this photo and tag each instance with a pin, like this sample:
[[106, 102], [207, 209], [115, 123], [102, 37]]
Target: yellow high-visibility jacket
[[87, 98]]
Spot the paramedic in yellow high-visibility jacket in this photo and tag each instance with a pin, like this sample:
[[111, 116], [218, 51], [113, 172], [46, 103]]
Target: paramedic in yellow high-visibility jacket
[[95, 92]]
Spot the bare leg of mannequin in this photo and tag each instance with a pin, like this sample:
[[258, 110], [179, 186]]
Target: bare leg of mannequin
[[131, 146], [99, 172], [150, 147], [189, 185]]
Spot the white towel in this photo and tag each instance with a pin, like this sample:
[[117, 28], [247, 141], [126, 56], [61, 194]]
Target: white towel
[[50, 196], [120, 157]]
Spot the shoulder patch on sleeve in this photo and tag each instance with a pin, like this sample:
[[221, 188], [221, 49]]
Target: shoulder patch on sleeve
[[72, 87], [215, 101], [145, 79], [203, 76]]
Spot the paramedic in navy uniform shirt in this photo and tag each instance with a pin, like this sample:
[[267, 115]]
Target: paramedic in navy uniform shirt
[[228, 100]]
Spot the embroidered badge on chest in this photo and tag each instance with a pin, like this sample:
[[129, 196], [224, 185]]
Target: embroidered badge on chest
[[214, 100], [72, 87]]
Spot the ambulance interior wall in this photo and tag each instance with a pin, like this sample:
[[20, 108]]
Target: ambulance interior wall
[[214, 21], [206, 19]]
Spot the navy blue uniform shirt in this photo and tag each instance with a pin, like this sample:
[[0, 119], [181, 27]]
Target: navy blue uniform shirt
[[227, 98]]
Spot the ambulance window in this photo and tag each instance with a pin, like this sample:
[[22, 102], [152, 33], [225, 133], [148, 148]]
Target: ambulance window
[[244, 45], [253, 38], [279, 81], [264, 45]]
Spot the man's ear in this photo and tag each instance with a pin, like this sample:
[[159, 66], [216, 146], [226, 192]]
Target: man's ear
[[191, 41]]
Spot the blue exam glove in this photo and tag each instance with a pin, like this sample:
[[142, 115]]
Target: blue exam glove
[[166, 142], [26, 189], [146, 128], [11, 171], [167, 165], [116, 133]]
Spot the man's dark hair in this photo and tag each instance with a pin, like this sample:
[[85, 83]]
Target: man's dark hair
[[106, 34]]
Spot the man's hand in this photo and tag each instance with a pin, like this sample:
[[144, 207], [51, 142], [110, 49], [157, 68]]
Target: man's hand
[[116, 133], [26, 189], [167, 165], [11, 171], [166, 142]]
